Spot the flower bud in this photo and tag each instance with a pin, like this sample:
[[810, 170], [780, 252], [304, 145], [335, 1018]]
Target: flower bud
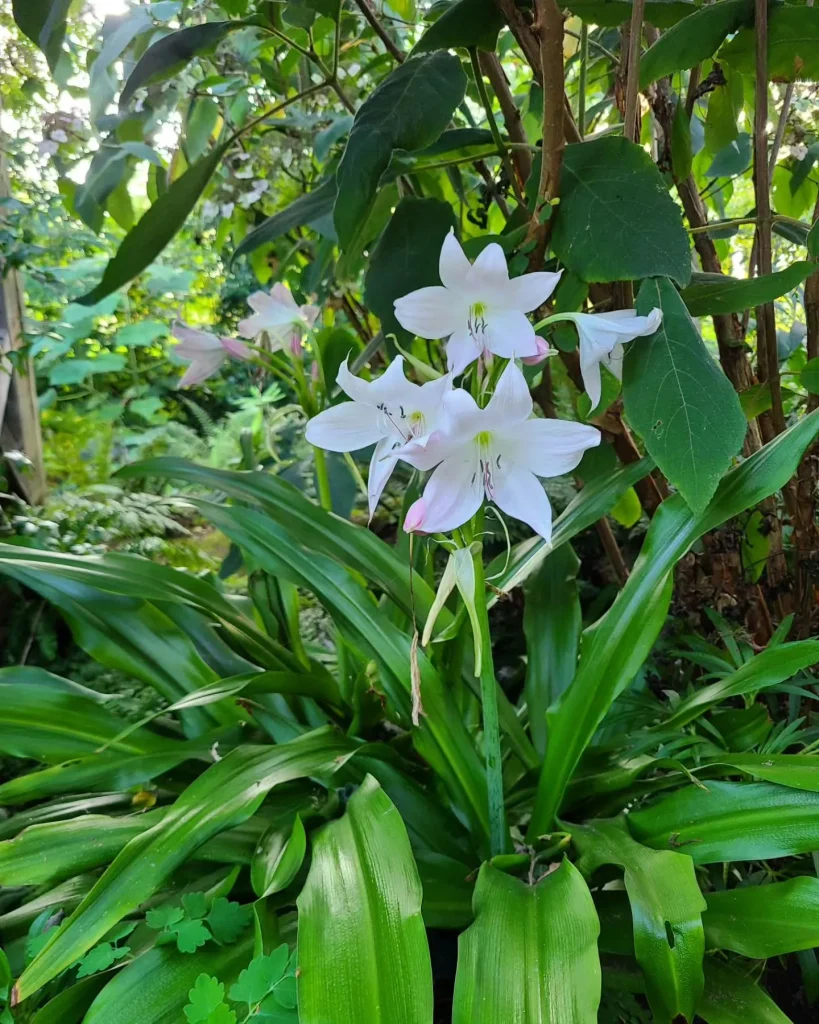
[[543, 350], [415, 516]]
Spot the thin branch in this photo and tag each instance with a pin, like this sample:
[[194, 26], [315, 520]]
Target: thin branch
[[631, 120], [390, 44], [584, 76], [767, 355], [519, 145]]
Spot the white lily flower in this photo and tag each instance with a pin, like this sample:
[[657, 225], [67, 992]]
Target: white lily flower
[[601, 339], [476, 307], [389, 412], [497, 453], [279, 316], [205, 352]]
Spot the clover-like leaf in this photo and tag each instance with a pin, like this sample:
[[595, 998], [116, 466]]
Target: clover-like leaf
[[206, 1003], [164, 917], [190, 935], [260, 977], [100, 958], [227, 920], [195, 904]]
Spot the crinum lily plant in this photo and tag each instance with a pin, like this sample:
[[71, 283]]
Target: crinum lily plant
[[481, 440]]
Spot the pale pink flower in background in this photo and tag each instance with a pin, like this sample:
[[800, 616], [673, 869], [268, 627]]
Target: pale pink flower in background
[[280, 317], [388, 412], [495, 453], [601, 339], [477, 307], [205, 352]]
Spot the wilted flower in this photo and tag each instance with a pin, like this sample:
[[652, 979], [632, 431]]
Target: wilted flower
[[477, 307], [279, 316], [497, 453], [388, 412], [205, 352]]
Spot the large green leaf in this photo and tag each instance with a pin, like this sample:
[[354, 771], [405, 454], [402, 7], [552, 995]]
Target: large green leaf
[[797, 771], [733, 997], [224, 796], [772, 666], [761, 921], [731, 821], [362, 951], [552, 622], [679, 400], [309, 207], [43, 21], [693, 39], [610, 13], [406, 257], [146, 240], [793, 45], [616, 220], [464, 23], [666, 908], [51, 724], [171, 53], [710, 294], [409, 110], [614, 647], [442, 737], [531, 955]]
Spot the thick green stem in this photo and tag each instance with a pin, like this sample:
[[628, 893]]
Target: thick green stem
[[498, 832], [323, 480]]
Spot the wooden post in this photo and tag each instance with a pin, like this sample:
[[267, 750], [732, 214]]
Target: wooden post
[[19, 413]]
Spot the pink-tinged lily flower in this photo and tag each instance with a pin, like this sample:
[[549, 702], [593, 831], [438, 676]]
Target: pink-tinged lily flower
[[205, 352], [279, 316], [389, 412], [495, 453], [476, 307], [601, 339]]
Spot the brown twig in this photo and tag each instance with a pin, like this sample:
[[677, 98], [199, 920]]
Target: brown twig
[[493, 70], [767, 355], [612, 549], [631, 117], [389, 43]]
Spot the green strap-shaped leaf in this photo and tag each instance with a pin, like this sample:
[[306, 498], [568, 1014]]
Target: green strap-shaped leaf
[[772, 666], [362, 952], [710, 294], [409, 110], [793, 46], [679, 400], [693, 39], [731, 821], [552, 622], [616, 219], [157, 226], [733, 997], [531, 955], [797, 771], [761, 921], [43, 21], [617, 644], [224, 796], [666, 907]]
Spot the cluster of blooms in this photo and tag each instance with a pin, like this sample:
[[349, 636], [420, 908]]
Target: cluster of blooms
[[276, 315], [496, 452]]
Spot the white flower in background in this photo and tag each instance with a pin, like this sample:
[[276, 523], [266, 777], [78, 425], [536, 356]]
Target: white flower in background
[[47, 147], [255, 194], [227, 210], [279, 316], [205, 352], [210, 210], [602, 336], [476, 307], [498, 453], [388, 412]]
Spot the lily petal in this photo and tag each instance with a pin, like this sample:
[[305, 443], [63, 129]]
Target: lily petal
[[381, 466], [391, 384], [453, 495], [519, 493], [509, 334], [547, 447], [193, 342], [429, 312], [511, 403], [453, 266], [345, 427], [461, 350], [236, 348], [590, 372], [531, 290], [202, 367], [489, 276]]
